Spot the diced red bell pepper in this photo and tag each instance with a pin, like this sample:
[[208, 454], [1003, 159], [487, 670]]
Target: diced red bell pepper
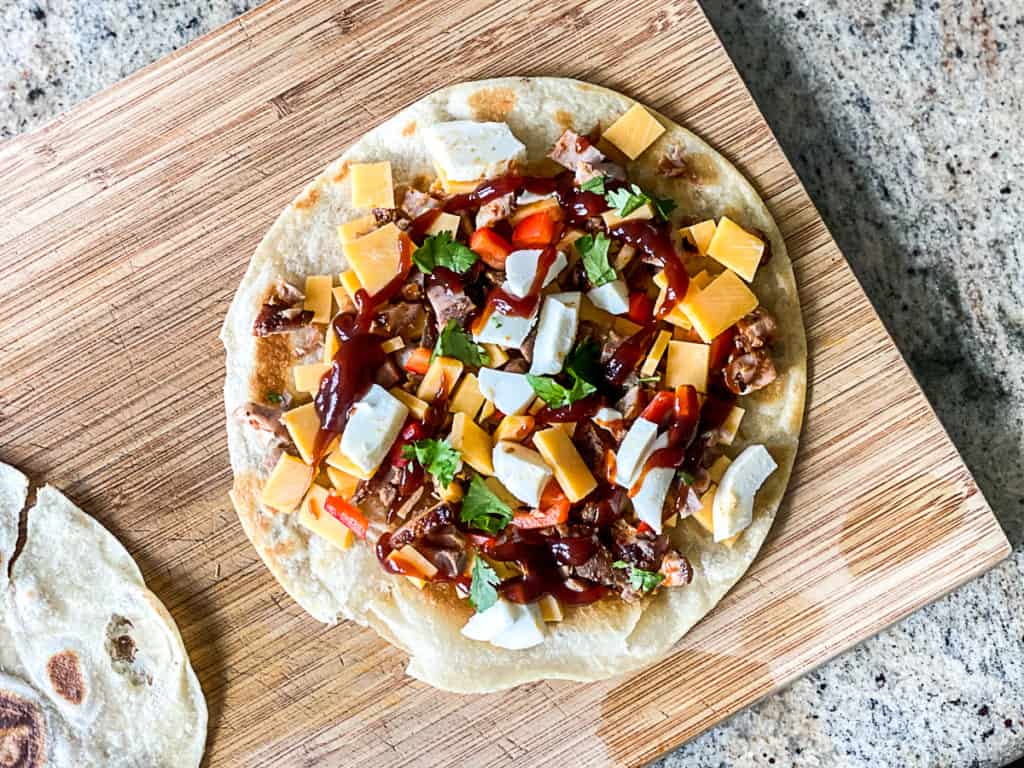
[[687, 402], [536, 231], [418, 361], [554, 509], [411, 432], [660, 407], [721, 346], [643, 527], [641, 307], [491, 247], [481, 541], [348, 515]]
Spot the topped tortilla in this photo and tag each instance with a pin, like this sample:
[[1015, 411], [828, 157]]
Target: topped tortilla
[[517, 382]]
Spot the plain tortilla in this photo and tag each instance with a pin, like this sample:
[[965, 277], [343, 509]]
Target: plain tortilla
[[73, 590], [593, 642]]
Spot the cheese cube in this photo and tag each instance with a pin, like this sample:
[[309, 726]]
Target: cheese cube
[[521, 269], [687, 363], [418, 408], [473, 443], [612, 297], [705, 515], [572, 474], [497, 355], [731, 425], [529, 207], [344, 483], [314, 518], [351, 230], [318, 297], [287, 484], [464, 150], [569, 427], [376, 258], [441, 376], [343, 299], [734, 247], [507, 499], [634, 132], [607, 418], [410, 559], [467, 398], [625, 255], [445, 222], [372, 186], [373, 424], [717, 469], [510, 392], [725, 300], [612, 219], [650, 499], [654, 356], [514, 428], [550, 608], [505, 330], [393, 344], [307, 377], [636, 446], [556, 332], [342, 463], [507, 625], [700, 235], [733, 507], [621, 325], [350, 282], [522, 471], [303, 425], [486, 411]]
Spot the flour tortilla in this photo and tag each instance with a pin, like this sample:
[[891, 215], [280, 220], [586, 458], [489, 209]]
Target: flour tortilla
[[593, 642], [68, 698]]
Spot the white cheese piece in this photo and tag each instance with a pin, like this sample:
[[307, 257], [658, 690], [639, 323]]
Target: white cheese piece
[[511, 393], [612, 297], [606, 417], [556, 332], [507, 625], [633, 452], [465, 150], [526, 197], [505, 330], [489, 624], [651, 497], [373, 424], [521, 269], [521, 470], [733, 509]]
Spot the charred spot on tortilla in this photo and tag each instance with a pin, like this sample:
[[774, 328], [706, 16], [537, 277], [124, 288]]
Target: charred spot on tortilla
[[492, 104], [699, 169], [342, 172], [564, 119], [308, 200], [22, 732], [409, 129], [66, 676], [123, 652]]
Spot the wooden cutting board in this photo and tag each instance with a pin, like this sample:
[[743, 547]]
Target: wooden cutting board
[[124, 229]]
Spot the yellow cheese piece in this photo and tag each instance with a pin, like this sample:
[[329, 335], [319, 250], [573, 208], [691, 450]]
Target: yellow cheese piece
[[634, 132], [445, 222], [731, 425], [725, 300], [486, 411], [456, 187], [287, 483], [473, 443], [625, 255], [418, 408], [350, 282], [452, 493], [344, 483], [561, 455], [611, 218], [700, 235], [678, 316], [624, 326], [717, 469], [343, 299], [330, 345], [356, 228], [303, 425], [372, 186], [514, 428], [550, 608], [654, 356], [409, 557], [318, 297], [467, 398], [549, 204], [393, 344], [705, 517], [569, 237], [497, 355], [307, 377], [569, 427], [443, 373], [687, 363], [339, 460], [621, 325], [502, 493], [313, 517], [376, 258], [536, 406], [735, 248], [672, 521]]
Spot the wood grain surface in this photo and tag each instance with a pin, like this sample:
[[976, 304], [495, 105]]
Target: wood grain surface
[[124, 229]]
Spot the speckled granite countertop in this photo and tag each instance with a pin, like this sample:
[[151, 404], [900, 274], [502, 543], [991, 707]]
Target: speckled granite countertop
[[903, 119]]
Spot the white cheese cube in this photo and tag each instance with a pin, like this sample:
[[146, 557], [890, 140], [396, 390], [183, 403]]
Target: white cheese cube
[[521, 470], [606, 417], [465, 150], [650, 499], [373, 424], [633, 452], [511, 393], [521, 269], [612, 297], [488, 624], [526, 632], [556, 332], [505, 330], [733, 509]]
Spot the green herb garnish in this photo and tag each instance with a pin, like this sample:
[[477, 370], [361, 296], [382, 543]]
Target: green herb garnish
[[441, 250], [584, 362], [686, 477], [557, 396], [482, 592], [640, 579], [435, 456], [455, 342], [648, 379], [594, 254], [625, 201], [274, 397], [595, 185], [482, 509]]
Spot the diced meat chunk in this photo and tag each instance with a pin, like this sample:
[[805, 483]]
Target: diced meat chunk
[[750, 372], [755, 331], [416, 203], [448, 304], [572, 150], [631, 404], [387, 375], [494, 211]]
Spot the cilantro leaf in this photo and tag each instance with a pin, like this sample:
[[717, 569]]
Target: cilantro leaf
[[664, 206], [648, 379], [686, 477], [441, 250], [453, 341], [435, 456], [627, 201], [274, 397], [584, 362], [482, 509], [594, 254], [482, 592], [557, 396], [640, 579], [595, 185]]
